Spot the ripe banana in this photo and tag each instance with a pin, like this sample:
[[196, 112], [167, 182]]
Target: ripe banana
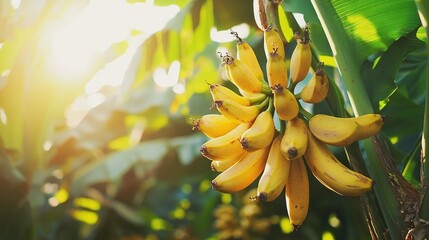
[[276, 70], [372, 124], [226, 146], [275, 174], [273, 40], [317, 88], [220, 92], [246, 54], [285, 103], [297, 193], [331, 172], [222, 165], [242, 76], [242, 173], [214, 125], [344, 131], [294, 141], [300, 61], [235, 111], [260, 134]]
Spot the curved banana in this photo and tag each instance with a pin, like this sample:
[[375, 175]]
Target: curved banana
[[235, 111], [297, 193], [242, 173], [222, 165], [260, 134], [226, 146], [331, 172], [317, 88], [344, 131], [242, 76], [220, 92], [294, 141], [246, 54], [371, 124], [276, 70], [285, 103], [272, 40], [275, 174], [214, 125], [300, 60]]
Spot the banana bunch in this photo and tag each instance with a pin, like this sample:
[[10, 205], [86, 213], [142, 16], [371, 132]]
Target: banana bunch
[[244, 145]]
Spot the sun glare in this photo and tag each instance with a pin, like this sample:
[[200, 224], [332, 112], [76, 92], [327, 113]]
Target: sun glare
[[74, 45]]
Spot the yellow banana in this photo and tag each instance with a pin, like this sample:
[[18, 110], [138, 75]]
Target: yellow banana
[[275, 174], [273, 40], [331, 172], [260, 134], [285, 103], [242, 76], [214, 125], [242, 173], [344, 131], [235, 111], [226, 146], [294, 141], [300, 61], [222, 165], [246, 54], [220, 92], [297, 193], [371, 124], [317, 88], [276, 70]]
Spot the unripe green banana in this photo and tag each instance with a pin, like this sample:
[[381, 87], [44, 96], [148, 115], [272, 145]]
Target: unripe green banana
[[215, 125], [294, 141]]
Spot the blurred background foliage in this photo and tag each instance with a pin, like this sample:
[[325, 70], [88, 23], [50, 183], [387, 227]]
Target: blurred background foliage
[[96, 104]]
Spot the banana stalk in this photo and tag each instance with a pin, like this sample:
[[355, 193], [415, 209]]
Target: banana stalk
[[348, 63], [423, 8]]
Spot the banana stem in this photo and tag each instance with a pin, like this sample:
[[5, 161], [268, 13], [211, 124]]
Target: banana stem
[[282, 127], [348, 64], [423, 8], [305, 113]]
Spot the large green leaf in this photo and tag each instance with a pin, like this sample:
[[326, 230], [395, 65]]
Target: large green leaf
[[373, 25], [379, 75]]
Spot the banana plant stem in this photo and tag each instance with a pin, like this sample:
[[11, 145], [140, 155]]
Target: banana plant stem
[[423, 8], [348, 64]]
